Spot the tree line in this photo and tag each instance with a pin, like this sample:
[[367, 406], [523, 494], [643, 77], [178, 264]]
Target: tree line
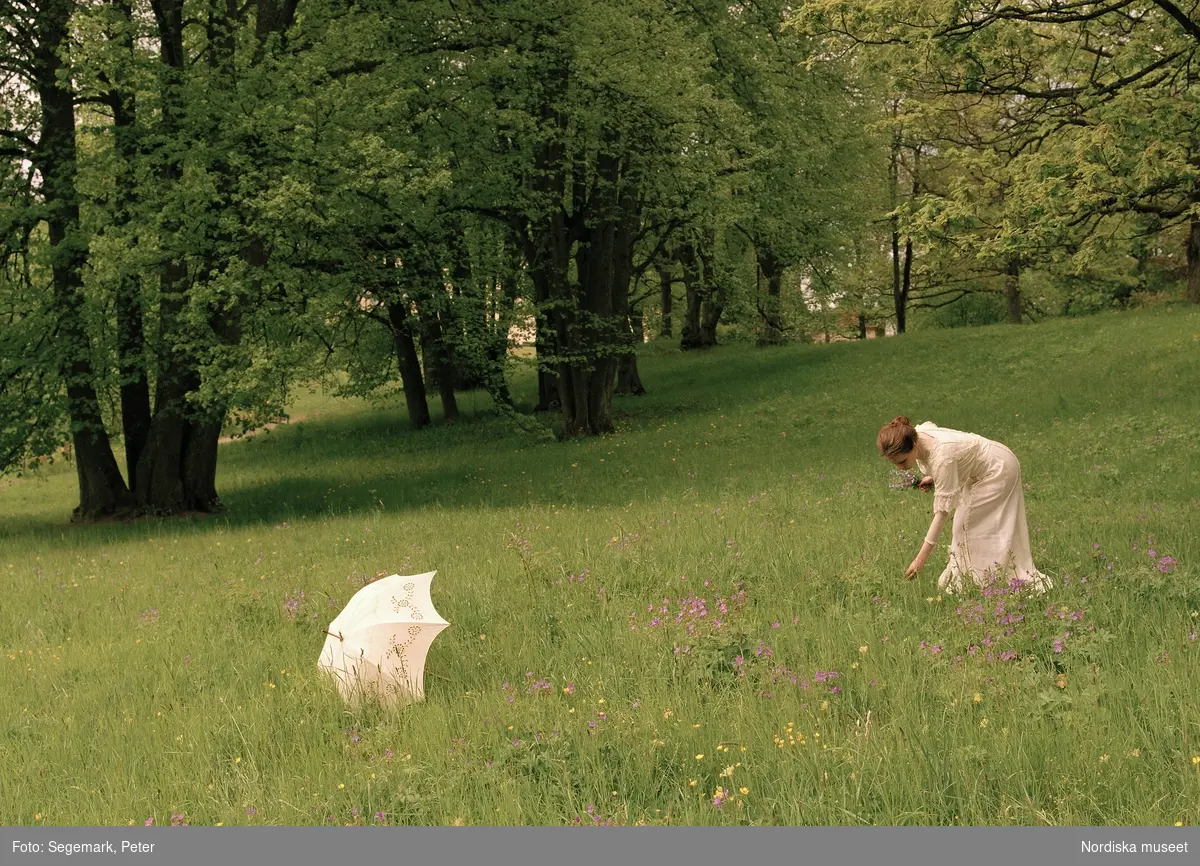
[[204, 202]]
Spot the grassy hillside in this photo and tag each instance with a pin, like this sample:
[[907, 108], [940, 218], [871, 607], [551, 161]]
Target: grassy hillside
[[167, 668]]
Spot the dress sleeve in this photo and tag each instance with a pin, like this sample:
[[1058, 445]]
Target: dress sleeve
[[943, 468]]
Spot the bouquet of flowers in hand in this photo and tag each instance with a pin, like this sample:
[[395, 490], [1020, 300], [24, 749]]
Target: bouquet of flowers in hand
[[905, 480]]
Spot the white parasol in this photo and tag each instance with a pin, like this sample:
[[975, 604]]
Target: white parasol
[[376, 646]]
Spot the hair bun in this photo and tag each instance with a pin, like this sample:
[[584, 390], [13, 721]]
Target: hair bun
[[901, 421]]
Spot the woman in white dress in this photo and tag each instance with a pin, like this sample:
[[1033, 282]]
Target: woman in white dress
[[980, 482]]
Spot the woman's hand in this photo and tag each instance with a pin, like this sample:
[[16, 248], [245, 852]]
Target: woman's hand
[[925, 484], [917, 564]]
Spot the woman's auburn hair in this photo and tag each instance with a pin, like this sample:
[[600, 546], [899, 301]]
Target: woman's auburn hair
[[896, 437]]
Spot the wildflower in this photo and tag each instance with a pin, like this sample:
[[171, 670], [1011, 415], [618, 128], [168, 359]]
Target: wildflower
[[862, 649], [292, 602], [700, 757], [743, 791], [978, 697], [983, 723], [1196, 759]]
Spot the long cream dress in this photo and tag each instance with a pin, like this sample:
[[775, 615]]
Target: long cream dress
[[980, 481]]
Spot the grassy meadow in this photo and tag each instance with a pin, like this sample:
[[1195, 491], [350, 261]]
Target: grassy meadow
[[698, 620]]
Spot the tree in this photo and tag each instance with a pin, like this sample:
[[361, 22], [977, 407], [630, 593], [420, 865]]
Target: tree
[[1099, 99], [46, 137]]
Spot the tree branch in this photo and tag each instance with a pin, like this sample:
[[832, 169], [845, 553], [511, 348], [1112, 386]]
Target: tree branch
[[1189, 26]]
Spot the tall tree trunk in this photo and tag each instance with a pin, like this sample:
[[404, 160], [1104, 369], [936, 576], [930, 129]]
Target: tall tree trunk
[[102, 490], [272, 17], [628, 379], [1012, 292], [862, 326], [429, 365], [547, 245], [712, 310], [546, 377], [1193, 257], [699, 330], [159, 487], [434, 344], [131, 335], [159, 475], [771, 332], [543, 272], [135, 387], [604, 264], [905, 288], [500, 316], [470, 339], [666, 281], [899, 296], [409, 363]]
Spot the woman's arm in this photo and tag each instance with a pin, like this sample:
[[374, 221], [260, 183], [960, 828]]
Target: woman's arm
[[931, 537]]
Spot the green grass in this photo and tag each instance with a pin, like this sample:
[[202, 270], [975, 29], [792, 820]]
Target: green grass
[[151, 669]]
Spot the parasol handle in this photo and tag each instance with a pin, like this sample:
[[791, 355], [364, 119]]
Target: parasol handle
[[338, 635]]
